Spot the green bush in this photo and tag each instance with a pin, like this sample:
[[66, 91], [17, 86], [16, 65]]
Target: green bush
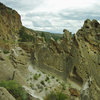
[[56, 96], [47, 78], [36, 76], [15, 89], [57, 80], [24, 37], [56, 37], [47, 36], [51, 96], [63, 86], [53, 77], [60, 96], [5, 51], [42, 82]]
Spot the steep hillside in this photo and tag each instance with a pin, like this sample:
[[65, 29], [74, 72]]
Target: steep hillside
[[75, 58], [47, 35], [10, 23]]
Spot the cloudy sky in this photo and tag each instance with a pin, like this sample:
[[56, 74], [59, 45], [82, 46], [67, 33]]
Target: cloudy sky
[[55, 15]]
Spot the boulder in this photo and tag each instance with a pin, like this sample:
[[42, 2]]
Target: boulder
[[5, 95], [74, 92]]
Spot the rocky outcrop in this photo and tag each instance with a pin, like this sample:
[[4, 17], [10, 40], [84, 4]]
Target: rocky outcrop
[[20, 59], [32, 98], [53, 55], [8, 71], [74, 92], [13, 60], [85, 53], [73, 57], [10, 23], [5, 95], [49, 57]]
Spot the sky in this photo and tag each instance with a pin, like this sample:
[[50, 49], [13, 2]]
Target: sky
[[55, 15]]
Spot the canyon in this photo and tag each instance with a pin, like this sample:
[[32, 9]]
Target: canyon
[[71, 59]]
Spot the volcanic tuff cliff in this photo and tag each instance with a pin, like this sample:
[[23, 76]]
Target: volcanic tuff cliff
[[10, 23], [75, 57], [71, 57]]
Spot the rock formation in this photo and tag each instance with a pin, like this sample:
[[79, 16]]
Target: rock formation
[[5, 95], [10, 23], [73, 57]]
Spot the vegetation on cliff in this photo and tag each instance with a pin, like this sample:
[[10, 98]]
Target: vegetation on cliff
[[14, 89], [48, 36], [56, 96], [25, 37]]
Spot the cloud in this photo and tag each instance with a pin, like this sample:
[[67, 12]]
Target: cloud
[[80, 14], [41, 23], [55, 15], [22, 5]]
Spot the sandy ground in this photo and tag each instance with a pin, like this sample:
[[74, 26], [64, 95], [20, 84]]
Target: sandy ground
[[42, 83]]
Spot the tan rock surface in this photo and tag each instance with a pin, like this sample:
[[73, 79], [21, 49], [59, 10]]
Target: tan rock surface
[[10, 23], [5, 95]]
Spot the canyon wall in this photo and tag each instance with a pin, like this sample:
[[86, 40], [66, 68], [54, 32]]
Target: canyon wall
[[74, 57]]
